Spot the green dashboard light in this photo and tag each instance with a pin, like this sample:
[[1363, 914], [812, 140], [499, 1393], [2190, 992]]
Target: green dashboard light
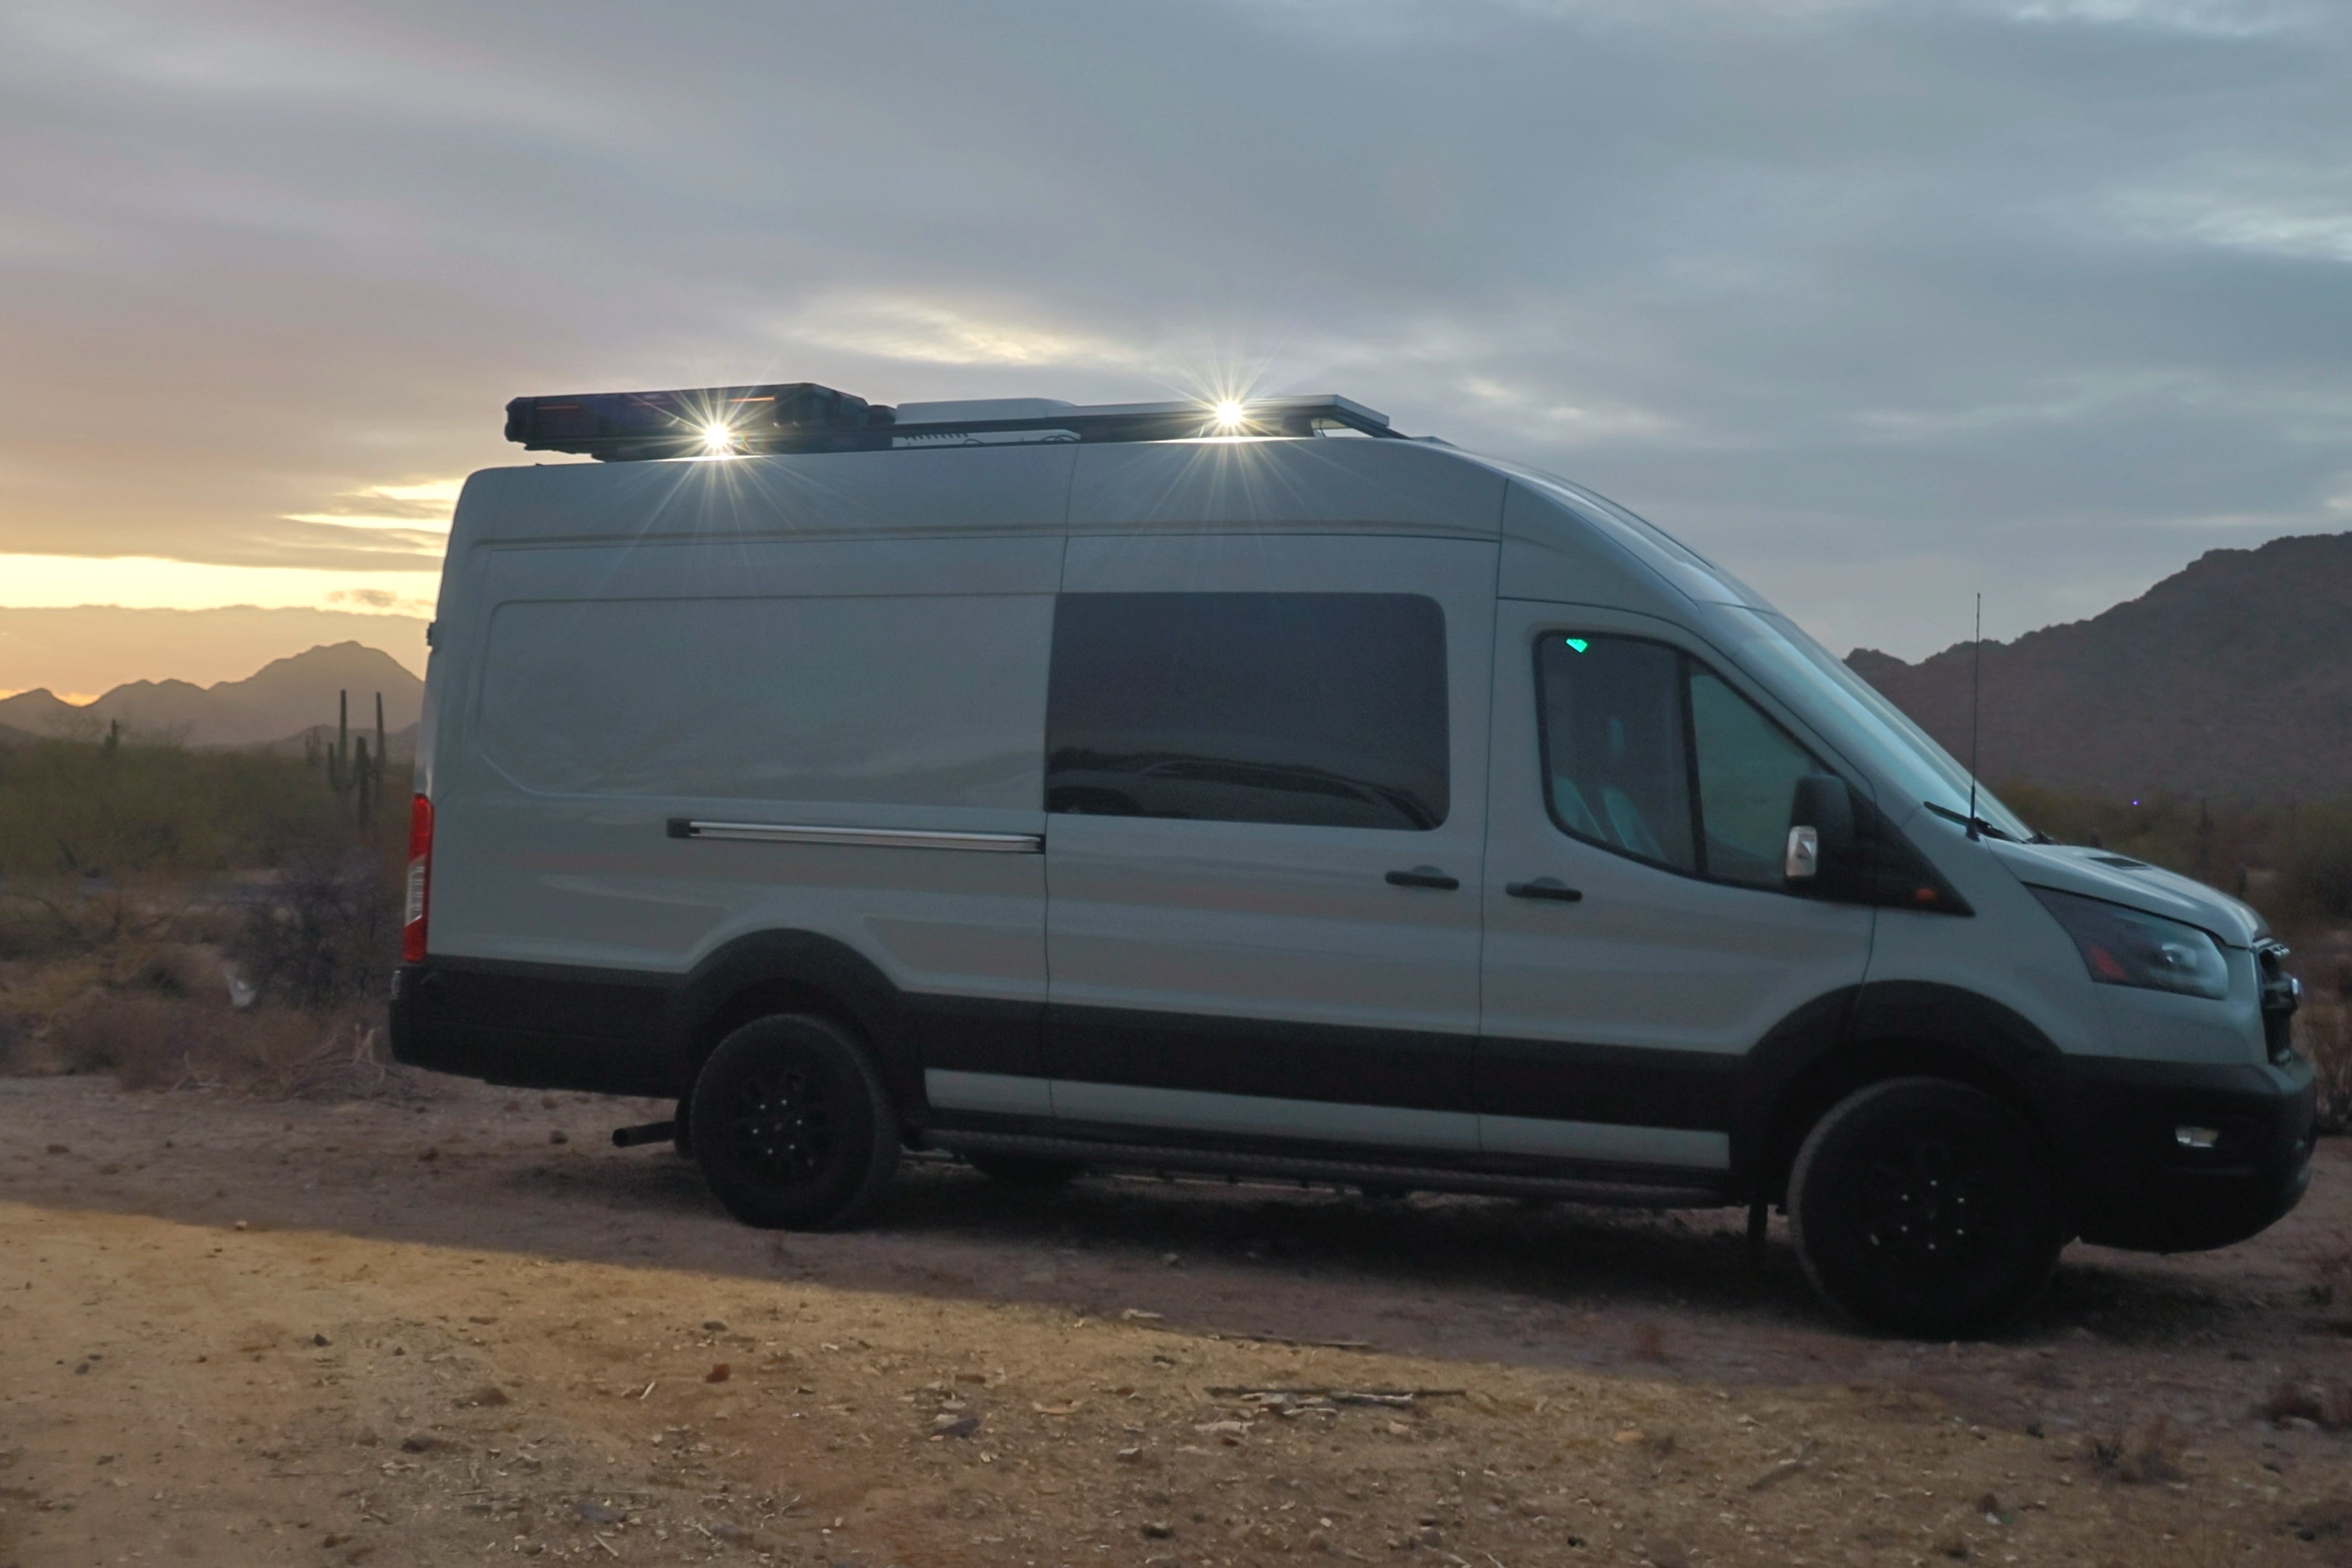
[[1578, 643]]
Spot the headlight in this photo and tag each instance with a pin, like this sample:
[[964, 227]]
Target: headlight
[[2130, 947]]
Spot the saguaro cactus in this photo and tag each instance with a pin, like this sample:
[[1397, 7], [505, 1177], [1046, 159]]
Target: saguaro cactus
[[352, 772]]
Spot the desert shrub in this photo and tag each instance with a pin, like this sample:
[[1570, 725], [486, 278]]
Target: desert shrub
[[2148, 1453], [2323, 1031], [148, 1040], [2325, 1403], [326, 934], [142, 1038], [2316, 869], [26, 930]]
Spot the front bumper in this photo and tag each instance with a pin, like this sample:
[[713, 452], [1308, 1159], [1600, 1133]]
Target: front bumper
[[2137, 1186]]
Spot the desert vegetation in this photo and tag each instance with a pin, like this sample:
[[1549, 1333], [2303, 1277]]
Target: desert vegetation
[[200, 917]]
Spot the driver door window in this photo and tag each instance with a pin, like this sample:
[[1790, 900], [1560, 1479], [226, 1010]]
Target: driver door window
[[1649, 753]]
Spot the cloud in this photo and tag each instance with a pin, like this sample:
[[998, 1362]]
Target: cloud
[[930, 332], [379, 599], [1872, 300], [2206, 18], [151, 582], [2311, 228]]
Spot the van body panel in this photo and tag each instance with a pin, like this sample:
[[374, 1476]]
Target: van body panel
[[1365, 487], [2010, 952], [2159, 1026], [975, 490], [987, 1094], [1599, 525], [1552, 553], [1257, 958]]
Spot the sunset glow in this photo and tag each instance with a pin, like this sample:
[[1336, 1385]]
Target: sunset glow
[[150, 582]]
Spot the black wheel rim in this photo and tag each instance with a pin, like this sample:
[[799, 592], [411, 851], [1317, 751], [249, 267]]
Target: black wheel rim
[[1929, 1203], [784, 1128]]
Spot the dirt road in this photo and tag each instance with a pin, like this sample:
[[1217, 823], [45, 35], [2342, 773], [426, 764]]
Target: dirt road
[[430, 1333]]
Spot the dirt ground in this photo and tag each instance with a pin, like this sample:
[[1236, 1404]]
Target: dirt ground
[[450, 1322]]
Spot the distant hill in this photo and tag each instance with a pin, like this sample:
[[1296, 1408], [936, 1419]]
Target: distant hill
[[280, 700], [2231, 678], [91, 647]]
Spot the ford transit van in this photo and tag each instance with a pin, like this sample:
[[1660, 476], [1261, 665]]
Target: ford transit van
[[1256, 790]]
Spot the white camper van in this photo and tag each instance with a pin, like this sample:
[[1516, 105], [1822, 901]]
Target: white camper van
[[1258, 791]]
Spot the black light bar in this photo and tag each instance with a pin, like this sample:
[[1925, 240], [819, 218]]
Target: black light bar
[[794, 416], [801, 416]]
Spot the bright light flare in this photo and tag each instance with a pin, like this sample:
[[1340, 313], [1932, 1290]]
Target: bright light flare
[[1231, 415], [718, 436]]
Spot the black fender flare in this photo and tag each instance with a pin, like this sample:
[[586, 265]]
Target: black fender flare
[[1857, 1035], [772, 971]]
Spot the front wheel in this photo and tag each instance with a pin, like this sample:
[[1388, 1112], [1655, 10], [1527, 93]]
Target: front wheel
[[1922, 1207], [792, 1126]]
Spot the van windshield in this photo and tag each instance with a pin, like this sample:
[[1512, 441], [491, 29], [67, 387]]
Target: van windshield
[[1819, 684]]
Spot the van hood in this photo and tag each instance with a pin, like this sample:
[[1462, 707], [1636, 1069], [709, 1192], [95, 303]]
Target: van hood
[[2119, 879]]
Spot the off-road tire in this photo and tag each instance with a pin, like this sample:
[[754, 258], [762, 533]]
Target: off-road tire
[[1028, 1173], [1926, 1208], [793, 1127]]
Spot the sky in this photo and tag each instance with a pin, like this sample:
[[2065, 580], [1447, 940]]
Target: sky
[[1879, 303]]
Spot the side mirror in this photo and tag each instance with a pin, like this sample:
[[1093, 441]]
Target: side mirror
[[1822, 851]]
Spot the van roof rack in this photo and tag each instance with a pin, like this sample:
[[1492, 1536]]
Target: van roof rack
[[801, 416]]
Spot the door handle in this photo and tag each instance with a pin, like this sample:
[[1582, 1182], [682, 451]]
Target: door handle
[[1423, 876], [1549, 887]]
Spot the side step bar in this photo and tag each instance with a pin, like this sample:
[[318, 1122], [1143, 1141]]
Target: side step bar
[[1348, 1173]]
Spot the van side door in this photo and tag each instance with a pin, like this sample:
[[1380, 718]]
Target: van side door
[[1639, 937], [1265, 797]]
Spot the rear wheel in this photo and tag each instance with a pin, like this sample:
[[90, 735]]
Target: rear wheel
[[1026, 1171], [1922, 1207], [792, 1125]]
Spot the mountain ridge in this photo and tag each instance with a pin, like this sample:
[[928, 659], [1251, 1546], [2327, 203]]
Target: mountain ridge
[[282, 699], [2231, 679]]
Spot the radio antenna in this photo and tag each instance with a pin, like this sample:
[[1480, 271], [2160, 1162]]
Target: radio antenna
[[1976, 705]]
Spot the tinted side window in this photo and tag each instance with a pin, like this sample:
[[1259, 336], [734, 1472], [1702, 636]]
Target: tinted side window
[[1747, 773], [1317, 710], [1649, 753], [1616, 768]]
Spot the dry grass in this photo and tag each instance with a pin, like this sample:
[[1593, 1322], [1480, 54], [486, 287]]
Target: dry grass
[[148, 1041], [2149, 1455], [2323, 1031]]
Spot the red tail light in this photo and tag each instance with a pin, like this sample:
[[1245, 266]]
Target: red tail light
[[420, 881]]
